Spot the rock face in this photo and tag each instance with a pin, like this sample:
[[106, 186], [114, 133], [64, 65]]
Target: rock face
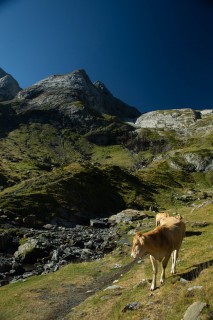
[[181, 120], [9, 87], [74, 95], [199, 161]]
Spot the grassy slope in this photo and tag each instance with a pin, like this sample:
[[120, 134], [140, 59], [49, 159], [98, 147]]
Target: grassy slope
[[91, 190], [35, 172], [48, 297]]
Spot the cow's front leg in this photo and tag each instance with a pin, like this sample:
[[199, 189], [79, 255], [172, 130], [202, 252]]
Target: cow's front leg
[[155, 271]]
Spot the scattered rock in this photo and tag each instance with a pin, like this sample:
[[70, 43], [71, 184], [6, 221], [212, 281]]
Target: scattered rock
[[113, 287], [200, 224], [141, 284], [117, 266], [132, 306], [195, 288], [48, 249], [99, 223], [5, 238], [182, 280], [5, 265], [30, 221], [49, 226]]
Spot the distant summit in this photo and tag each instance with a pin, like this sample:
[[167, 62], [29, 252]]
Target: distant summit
[[9, 87]]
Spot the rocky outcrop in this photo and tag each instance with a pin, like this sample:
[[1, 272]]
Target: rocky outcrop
[[180, 120], [199, 161], [9, 87]]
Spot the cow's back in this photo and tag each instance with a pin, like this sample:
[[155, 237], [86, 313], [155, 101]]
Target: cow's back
[[173, 230]]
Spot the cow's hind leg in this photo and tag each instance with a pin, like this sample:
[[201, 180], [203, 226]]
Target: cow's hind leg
[[174, 260], [155, 271], [164, 265]]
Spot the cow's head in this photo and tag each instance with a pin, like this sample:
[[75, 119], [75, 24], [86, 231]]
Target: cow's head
[[138, 247]]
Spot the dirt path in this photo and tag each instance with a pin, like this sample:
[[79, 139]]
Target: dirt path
[[73, 295]]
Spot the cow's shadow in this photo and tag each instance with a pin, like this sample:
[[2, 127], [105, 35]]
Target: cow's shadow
[[197, 268], [192, 233]]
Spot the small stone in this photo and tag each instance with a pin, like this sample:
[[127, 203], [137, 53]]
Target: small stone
[[115, 281], [27, 275], [195, 288], [131, 306], [194, 310], [142, 283], [113, 287], [48, 226], [107, 297], [117, 266]]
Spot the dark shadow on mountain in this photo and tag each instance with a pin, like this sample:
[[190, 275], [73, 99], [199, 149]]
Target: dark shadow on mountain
[[8, 120]]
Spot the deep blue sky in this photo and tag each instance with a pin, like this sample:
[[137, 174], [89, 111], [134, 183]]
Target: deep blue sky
[[152, 54]]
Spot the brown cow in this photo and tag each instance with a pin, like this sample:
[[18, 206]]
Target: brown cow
[[160, 243]]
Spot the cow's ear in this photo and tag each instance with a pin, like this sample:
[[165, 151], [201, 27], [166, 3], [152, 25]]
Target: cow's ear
[[139, 234], [142, 239]]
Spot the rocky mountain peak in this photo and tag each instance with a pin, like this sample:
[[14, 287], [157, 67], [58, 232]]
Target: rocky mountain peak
[[71, 90], [9, 87]]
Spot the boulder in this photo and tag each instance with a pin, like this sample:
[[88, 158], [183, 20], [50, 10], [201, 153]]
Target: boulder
[[99, 223], [30, 221], [5, 265], [30, 251], [5, 238], [127, 216]]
